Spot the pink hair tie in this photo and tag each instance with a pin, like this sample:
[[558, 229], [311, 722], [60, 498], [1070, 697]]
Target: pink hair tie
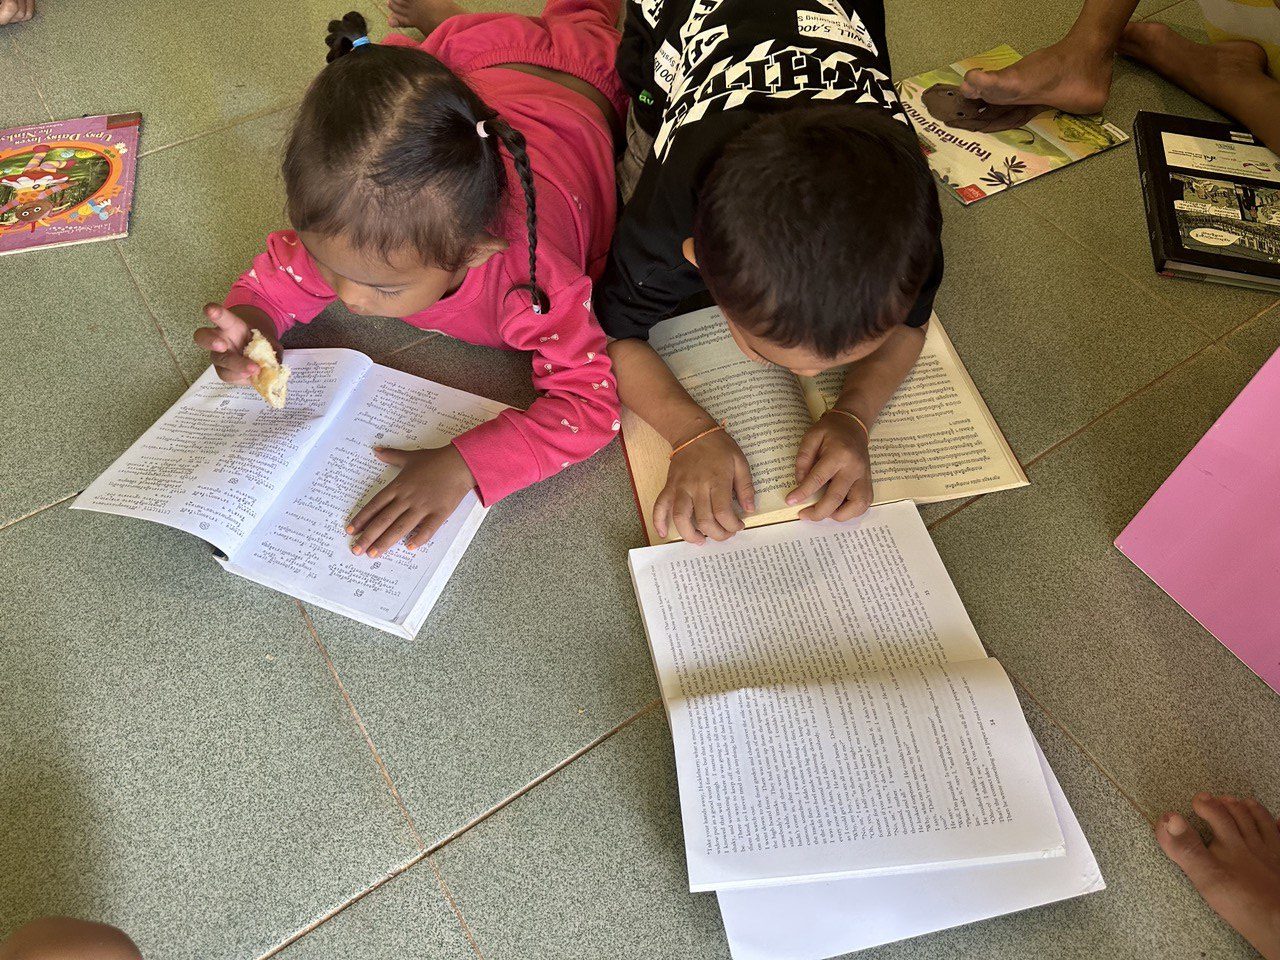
[[481, 130]]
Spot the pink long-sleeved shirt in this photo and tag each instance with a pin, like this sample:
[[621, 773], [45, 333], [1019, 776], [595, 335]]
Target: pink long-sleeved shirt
[[571, 152]]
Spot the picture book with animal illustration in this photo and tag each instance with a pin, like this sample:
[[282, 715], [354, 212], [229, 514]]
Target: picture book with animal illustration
[[934, 440], [273, 488], [832, 709], [1212, 193], [67, 182], [977, 148]]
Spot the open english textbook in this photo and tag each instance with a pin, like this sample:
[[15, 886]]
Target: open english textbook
[[833, 711], [273, 490], [934, 440]]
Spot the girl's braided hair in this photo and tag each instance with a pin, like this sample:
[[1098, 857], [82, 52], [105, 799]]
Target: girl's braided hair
[[391, 150]]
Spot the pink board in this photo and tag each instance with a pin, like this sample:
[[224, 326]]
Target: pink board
[[67, 182], [1210, 537]]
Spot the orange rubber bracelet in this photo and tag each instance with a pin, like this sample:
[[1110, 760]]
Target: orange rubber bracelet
[[854, 417], [705, 433]]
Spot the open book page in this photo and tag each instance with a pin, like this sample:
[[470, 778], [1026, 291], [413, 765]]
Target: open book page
[[814, 921], [935, 439], [796, 756], [214, 463], [302, 547], [762, 404]]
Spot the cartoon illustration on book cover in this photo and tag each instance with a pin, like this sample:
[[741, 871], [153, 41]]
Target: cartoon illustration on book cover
[[977, 148], [66, 182]]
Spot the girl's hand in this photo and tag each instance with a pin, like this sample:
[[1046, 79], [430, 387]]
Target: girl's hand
[[423, 495], [228, 337], [701, 483], [833, 453]]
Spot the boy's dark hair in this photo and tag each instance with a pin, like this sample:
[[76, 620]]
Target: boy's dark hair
[[817, 227], [386, 153]]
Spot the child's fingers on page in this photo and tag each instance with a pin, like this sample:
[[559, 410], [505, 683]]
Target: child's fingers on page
[[704, 516], [377, 526], [662, 511], [424, 531], [722, 508], [807, 454], [814, 480], [396, 532], [371, 509], [743, 489], [856, 501], [682, 514], [831, 498]]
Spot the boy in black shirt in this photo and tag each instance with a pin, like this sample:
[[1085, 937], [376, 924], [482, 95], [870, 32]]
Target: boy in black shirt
[[784, 179]]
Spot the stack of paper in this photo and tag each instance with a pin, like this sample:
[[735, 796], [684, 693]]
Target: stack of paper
[[839, 733]]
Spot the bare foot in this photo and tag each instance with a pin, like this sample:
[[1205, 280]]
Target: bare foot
[[1196, 67], [422, 15], [1072, 75], [16, 11], [1238, 873]]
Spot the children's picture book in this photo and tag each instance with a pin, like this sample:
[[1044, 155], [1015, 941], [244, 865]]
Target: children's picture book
[[833, 711], [67, 182], [1212, 194], [829, 918], [935, 439], [1210, 536], [977, 148], [273, 489]]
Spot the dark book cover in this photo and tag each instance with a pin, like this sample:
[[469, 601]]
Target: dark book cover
[[1212, 195]]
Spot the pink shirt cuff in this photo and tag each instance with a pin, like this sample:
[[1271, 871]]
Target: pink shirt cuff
[[499, 456]]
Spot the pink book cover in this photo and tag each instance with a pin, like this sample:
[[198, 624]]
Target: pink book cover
[[1210, 537], [65, 182]]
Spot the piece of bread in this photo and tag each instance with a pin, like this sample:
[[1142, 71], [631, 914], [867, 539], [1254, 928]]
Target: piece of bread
[[272, 375]]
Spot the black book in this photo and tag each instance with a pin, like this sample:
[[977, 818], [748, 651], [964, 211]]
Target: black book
[[1212, 193]]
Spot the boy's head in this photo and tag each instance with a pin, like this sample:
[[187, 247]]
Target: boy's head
[[815, 231]]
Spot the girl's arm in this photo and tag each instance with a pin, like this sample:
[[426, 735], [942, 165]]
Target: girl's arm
[[576, 413], [282, 283]]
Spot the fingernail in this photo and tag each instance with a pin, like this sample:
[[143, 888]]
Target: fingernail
[[350, 529], [373, 553], [357, 549], [1204, 797], [792, 501], [1175, 825]]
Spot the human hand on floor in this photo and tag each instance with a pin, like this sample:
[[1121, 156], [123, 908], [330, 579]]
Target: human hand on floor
[[422, 496], [834, 454], [701, 483]]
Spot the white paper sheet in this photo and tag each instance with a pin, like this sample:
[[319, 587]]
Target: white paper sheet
[[813, 921]]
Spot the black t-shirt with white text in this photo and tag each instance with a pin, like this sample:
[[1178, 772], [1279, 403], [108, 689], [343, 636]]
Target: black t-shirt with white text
[[700, 72]]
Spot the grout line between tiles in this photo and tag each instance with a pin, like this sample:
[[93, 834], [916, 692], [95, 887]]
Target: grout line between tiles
[[48, 506], [247, 118], [1085, 751], [1145, 387], [373, 749], [543, 777], [155, 321], [428, 335], [350, 901], [470, 824], [453, 905], [1111, 268]]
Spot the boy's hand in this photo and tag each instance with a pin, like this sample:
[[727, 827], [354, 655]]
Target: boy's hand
[[423, 495], [701, 483], [226, 341], [833, 452]]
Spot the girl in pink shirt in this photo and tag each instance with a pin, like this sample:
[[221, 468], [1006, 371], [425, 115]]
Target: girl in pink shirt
[[463, 184]]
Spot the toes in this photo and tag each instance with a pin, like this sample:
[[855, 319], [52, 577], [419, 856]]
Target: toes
[[1267, 828], [1245, 822], [1185, 848], [1215, 813]]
